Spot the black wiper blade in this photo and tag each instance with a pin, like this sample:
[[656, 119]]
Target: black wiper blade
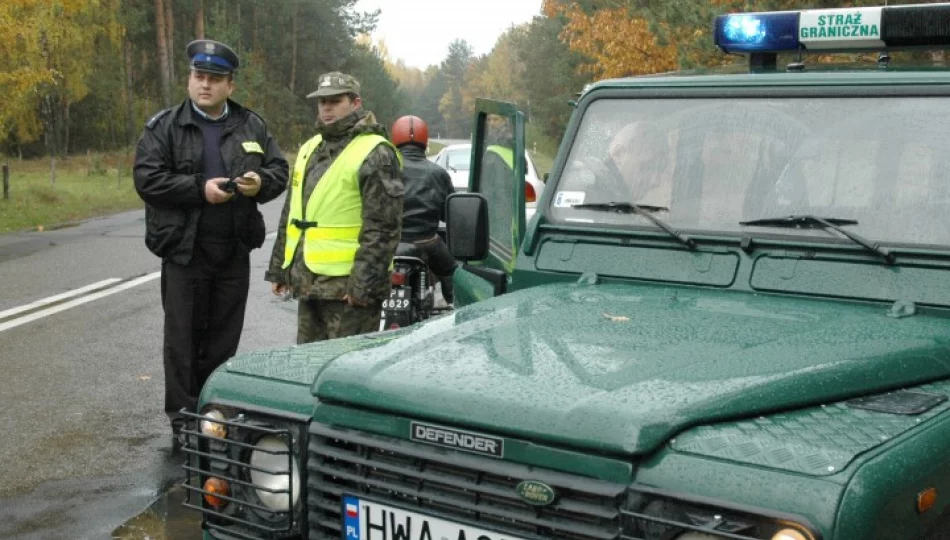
[[644, 210], [801, 222], [834, 224]]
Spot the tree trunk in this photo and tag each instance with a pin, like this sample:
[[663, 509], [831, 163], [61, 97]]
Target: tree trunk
[[162, 52], [256, 23], [199, 19], [64, 148], [129, 96], [293, 48], [170, 40]]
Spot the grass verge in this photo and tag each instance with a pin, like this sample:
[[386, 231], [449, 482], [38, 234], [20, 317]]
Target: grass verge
[[86, 186]]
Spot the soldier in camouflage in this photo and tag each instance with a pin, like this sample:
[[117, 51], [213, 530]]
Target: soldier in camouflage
[[339, 295]]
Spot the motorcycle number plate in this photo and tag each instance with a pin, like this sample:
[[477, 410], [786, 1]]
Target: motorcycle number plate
[[399, 298]]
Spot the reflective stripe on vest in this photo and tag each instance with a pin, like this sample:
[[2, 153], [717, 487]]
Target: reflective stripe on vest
[[506, 154], [334, 213]]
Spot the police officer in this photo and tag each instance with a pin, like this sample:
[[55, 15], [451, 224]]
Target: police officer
[[202, 168], [427, 187], [340, 224]]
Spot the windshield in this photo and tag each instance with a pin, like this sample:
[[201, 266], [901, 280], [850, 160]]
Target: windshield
[[714, 163], [459, 159]]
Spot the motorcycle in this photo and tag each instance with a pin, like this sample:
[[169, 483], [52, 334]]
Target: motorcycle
[[412, 293]]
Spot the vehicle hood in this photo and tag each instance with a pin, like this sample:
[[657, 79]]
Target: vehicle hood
[[621, 369]]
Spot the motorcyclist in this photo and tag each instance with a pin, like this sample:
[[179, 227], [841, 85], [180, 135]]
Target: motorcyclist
[[427, 187]]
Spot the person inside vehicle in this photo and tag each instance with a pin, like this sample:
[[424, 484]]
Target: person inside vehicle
[[427, 187], [640, 154], [636, 169]]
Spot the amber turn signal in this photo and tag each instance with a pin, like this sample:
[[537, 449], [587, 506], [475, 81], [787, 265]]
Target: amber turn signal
[[926, 499], [214, 487]]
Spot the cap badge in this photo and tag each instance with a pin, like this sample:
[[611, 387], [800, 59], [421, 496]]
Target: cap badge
[[209, 48]]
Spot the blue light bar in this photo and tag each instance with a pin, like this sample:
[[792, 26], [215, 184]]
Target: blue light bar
[[757, 32], [839, 29]]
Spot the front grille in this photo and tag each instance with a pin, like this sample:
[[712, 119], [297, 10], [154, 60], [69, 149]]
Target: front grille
[[451, 485], [244, 516]]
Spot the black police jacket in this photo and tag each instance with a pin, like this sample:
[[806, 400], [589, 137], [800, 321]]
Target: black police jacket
[[427, 186], [168, 165]]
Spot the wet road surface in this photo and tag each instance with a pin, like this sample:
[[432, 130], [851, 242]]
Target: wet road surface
[[86, 446]]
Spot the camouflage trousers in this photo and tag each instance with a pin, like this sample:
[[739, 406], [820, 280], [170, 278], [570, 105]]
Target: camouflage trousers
[[319, 320]]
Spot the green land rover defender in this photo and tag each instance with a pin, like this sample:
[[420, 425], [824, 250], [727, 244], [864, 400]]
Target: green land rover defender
[[728, 319]]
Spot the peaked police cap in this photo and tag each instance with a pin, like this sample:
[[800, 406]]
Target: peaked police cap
[[211, 56]]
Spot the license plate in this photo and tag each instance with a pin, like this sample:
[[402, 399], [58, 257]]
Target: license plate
[[398, 300], [369, 520]]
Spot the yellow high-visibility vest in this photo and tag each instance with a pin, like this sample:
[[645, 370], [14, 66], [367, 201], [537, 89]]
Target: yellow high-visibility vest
[[334, 213], [506, 154]]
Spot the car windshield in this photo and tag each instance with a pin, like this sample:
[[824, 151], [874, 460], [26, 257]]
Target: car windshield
[[714, 163], [459, 158]]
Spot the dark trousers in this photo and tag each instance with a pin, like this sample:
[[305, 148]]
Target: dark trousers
[[204, 305], [441, 262]]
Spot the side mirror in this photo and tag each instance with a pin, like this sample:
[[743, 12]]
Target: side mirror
[[466, 226]]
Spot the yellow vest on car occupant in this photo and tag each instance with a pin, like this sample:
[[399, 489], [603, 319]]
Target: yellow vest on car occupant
[[334, 213], [506, 154]]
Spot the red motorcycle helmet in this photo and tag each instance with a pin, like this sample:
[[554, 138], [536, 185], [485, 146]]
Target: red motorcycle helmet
[[410, 130]]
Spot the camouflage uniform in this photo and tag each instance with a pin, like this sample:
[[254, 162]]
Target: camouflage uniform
[[322, 313]]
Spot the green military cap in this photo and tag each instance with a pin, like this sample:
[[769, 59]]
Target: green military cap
[[334, 84], [211, 56]]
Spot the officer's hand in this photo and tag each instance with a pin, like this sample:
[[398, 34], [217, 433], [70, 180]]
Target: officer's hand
[[354, 301], [279, 289], [213, 192], [249, 184]]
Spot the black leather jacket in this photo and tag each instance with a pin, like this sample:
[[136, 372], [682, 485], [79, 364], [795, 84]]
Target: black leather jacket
[[167, 173], [427, 186]]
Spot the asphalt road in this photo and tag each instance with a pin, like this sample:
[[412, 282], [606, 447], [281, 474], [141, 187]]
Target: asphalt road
[[86, 445]]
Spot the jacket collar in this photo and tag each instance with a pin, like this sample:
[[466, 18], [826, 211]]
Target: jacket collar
[[411, 151], [186, 115]]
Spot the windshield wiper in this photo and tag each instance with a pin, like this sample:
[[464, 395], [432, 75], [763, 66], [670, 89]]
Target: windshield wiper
[[815, 222], [644, 210]]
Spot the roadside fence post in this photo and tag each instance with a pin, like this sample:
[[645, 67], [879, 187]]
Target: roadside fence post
[[6, 181]]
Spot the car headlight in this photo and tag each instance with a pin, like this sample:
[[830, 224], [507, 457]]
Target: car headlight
[[655, 515], [211, 428], [276, 489]]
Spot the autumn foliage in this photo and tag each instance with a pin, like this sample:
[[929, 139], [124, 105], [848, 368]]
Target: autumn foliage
[[617, 44]]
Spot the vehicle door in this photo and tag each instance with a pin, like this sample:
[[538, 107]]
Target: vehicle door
[[497, 173]]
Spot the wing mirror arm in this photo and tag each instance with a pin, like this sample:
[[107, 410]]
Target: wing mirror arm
[[497, 278]]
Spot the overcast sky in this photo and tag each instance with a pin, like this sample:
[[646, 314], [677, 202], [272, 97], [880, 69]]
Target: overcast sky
[[420, 31]]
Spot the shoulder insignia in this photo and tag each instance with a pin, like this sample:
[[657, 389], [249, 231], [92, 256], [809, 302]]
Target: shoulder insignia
[[154, 120]]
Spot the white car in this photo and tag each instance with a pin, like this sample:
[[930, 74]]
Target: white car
[[456, 158]]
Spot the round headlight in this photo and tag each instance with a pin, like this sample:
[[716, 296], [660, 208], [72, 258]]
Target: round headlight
[[214, 429], [272, 454], [789, 534]]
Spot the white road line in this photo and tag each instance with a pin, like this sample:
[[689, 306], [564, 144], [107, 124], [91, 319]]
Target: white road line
[[53, 299], [79, 301]]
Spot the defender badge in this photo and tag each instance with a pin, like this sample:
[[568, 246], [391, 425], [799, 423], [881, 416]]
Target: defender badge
[[536, 493], [466, 441]]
